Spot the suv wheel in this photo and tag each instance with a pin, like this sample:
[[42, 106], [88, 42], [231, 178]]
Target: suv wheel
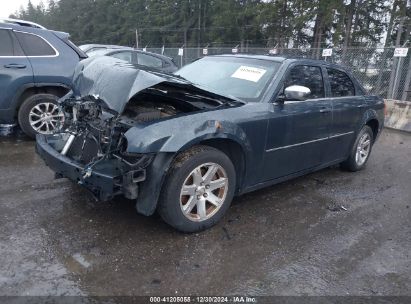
[[198, 189], [360, 151], [39, 114]]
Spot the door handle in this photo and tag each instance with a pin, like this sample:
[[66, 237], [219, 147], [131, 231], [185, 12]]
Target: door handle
[[15, 66]]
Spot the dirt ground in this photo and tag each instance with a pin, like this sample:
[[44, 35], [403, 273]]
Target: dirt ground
[[295, 238]]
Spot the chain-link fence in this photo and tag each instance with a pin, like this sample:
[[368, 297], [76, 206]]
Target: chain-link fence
[[376, 68]]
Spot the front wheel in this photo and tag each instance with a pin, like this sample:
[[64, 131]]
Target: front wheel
[[360, 151], [198, 189]]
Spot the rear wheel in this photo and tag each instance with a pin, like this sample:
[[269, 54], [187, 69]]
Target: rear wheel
[[361, 150], [39, 114], [198, 190]]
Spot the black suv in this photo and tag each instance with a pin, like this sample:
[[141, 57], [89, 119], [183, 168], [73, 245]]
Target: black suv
[[36, 69]]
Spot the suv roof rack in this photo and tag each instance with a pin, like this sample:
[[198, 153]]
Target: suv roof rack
[[22, 23]]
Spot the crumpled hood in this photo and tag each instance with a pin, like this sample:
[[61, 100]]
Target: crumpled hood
[[115, 81]]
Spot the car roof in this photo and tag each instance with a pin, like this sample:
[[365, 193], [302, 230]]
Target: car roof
[[137, 51], [30, 27], [19, 22], [253, 56], [283, 58], [105, 46]]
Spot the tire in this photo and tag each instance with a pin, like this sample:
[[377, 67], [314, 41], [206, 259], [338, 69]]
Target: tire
[[185, 171], [30, 112], [358, 158]]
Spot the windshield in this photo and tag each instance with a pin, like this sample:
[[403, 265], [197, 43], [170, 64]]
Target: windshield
[[244, 78]]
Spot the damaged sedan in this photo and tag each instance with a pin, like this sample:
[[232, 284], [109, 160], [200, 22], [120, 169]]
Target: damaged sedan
[[186, 144]]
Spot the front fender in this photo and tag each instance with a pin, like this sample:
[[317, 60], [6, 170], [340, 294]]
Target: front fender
[[177, 134], [166, 138]]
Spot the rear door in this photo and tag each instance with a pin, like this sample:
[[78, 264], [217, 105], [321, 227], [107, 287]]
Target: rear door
[[298, 130], [347, 112], [15, 71]]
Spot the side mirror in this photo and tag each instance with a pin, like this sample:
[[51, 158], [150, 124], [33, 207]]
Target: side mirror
[[296, 92]]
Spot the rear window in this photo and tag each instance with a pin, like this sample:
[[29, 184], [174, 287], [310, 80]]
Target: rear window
[[126, 56], [149, 61], [34, 45]]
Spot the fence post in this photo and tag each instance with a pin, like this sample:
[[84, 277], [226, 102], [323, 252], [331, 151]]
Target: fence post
[[394, 86], [407, 82]]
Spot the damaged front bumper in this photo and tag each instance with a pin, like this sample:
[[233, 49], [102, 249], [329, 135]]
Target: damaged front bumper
[[105, 179]]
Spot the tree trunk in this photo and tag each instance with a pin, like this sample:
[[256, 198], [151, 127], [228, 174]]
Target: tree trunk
[[348, 27], [385, 51], [318, 33], [393, 85], [407, 82]]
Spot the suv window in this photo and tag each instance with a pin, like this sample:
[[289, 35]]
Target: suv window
[[122, 55], [6, 46], [9, 46], [34, 45], [341, 84], [307, 76], [149, 61]]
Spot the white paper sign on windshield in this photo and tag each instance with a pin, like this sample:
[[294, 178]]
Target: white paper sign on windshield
[[249, 73]]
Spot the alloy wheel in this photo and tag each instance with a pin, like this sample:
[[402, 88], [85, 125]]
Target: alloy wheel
[[204, 192], [45, 117], [363, 149]]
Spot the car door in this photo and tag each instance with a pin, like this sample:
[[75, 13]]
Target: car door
[[298, 129], [52, 60], [347, 113], [15, 71]]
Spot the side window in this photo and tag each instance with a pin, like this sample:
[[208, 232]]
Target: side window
[[149, 61], [9, 46], [307, 76], [6, 45], [126, 56], [341, 84], [34, 45]]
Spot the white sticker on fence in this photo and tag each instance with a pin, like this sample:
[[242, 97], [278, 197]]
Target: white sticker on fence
[[327, 52], [273, 51], [205, 51], [249, 73], [180, 52], [234, 51], [144, 49], [400, 52]]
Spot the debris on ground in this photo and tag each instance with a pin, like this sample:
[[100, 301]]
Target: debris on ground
[[336, 208]]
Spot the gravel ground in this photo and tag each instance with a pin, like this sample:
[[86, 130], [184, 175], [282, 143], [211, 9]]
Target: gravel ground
[[328, 233]]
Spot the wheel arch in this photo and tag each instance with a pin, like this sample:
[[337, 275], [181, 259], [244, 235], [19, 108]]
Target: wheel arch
[[150, 189], [374, 125], [58, 90], [235, 153]]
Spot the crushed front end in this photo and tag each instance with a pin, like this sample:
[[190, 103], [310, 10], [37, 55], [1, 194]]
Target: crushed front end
[[92, 150], [106, 144]]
